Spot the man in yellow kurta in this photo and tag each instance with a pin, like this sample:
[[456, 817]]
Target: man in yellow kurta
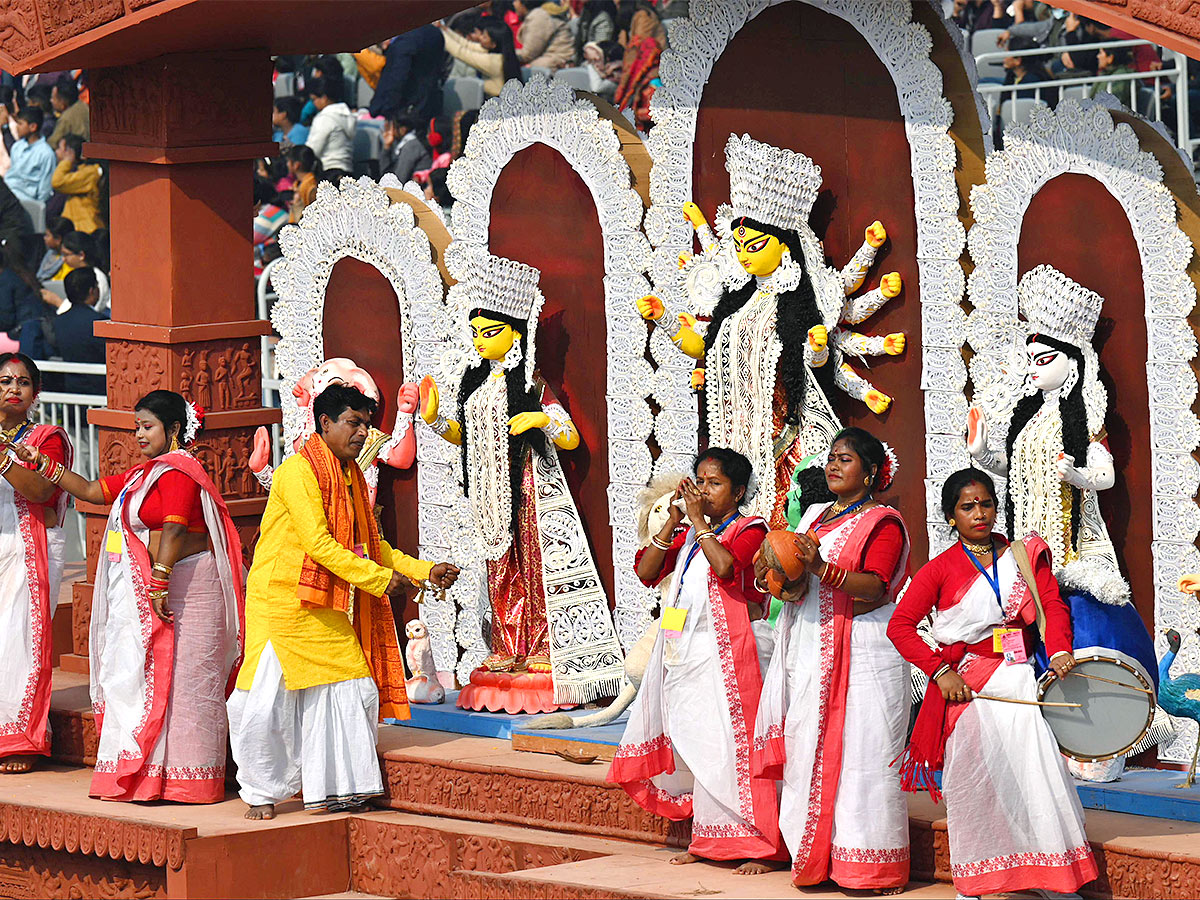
[[322, 660]]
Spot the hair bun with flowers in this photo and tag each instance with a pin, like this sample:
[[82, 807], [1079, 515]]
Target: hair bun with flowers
[[195, 421], [887, 472]]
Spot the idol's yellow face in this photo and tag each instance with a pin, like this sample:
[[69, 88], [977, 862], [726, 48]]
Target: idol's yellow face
[[758, 253], [492, 339]]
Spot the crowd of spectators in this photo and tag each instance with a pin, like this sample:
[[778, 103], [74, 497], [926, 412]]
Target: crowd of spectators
[[403, 107], [53, 225], [1029, 25]]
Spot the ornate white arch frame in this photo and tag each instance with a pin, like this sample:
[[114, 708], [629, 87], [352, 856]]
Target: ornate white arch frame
[[904, 47], [548, 112], [1081, 137], [358, 219]]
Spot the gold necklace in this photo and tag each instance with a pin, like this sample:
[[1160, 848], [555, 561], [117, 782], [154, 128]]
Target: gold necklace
[[977, 549], [8, 434]]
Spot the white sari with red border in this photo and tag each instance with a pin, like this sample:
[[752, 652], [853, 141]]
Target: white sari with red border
[[833, 716], [1013, 816], [686, 748], [31, 566], [133, 652]]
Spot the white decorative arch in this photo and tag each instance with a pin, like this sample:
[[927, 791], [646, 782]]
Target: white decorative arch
[[1081, 137], [904, 47], [357, 219], [548, 112]]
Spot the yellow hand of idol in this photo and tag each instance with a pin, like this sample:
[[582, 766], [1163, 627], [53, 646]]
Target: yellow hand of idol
[[891, 284], [692, 213], [893, 344], [818, 338], [651, 308], [876, 234], [527, 421], [430, 401]]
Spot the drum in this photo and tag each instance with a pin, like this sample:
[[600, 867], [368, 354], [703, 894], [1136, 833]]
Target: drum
[[1111, 717]]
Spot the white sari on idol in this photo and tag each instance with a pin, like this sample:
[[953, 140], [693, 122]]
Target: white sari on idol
[[833, 716], [159, 690], [31, 565], [686, 749]]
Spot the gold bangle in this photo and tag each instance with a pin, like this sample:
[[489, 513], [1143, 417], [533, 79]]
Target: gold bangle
[[701, 534], [164, 569], [711, 534], [661, 545]]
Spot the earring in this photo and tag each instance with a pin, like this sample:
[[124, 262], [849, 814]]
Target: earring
[[951, 523], [867, 481], [174, 443]]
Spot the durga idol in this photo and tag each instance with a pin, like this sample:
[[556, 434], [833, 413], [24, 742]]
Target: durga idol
[[550, 615], [775, 310]]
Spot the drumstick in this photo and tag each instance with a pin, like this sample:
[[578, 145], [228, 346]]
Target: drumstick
[[1028, 702], [1132, 687]]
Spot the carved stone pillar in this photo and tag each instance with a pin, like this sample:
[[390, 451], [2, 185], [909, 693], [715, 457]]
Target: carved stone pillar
[[179, 133]]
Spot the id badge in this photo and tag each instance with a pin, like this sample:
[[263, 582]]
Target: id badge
[[672, 621], [114, 546], [1013, 646], [360, 551], [998, 638]]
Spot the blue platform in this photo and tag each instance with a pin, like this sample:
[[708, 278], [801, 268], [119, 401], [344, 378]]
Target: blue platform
[[1145, 792], [448, 717]]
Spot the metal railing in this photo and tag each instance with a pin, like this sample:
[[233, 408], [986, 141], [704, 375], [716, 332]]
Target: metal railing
[[1176, 75], [69, 412]]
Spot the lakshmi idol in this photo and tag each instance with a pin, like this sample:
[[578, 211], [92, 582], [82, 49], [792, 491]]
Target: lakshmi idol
[[1056, 460], [549, 611], [775, 307]]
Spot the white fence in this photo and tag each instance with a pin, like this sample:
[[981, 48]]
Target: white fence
[[1014, 102]]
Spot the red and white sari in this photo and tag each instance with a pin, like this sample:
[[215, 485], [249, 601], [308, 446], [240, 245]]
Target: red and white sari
[[1012, 812], [159, 690], [833, 715], [686, 749], [31, 565]]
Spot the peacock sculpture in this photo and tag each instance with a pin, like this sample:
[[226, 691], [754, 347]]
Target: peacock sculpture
[[1179, 696]]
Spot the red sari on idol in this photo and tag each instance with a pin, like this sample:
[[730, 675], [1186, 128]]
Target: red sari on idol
[[1012, 812], [31, 565], [159, 690], [686, 749], [834, 713]]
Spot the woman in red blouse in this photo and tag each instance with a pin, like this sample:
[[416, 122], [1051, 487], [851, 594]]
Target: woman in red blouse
[[834, 708], [1013, 817], [31, 564], [686, 750], [166, 615]]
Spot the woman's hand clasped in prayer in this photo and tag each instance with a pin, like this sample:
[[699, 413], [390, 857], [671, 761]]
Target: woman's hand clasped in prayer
[[694, 501]]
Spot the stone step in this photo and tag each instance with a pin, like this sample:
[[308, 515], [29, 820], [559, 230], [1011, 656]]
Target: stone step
[[484, 779]]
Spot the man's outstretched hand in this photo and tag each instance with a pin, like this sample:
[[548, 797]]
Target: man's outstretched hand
[[443, 575]]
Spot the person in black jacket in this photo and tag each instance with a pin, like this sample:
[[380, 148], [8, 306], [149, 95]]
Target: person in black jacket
[[19, 301], [411, 80], [73, 330]]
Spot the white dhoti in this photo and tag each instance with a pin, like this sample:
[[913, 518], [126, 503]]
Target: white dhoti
[[319, 740]]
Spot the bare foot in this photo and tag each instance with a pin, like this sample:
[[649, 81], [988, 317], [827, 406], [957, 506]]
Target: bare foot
[[266, 811], [754, 867], [682, 859], [17, 765]]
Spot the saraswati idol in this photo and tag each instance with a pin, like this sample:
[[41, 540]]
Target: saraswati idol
[[551, 627], [775, 343], [1045, 432]]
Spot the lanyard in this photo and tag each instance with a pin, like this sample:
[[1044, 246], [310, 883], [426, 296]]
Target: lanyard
[[696, 545], [994, 578]]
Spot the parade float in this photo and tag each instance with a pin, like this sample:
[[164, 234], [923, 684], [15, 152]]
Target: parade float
[[888, 127]]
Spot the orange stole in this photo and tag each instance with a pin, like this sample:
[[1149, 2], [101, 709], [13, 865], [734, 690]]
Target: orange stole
[[373, 622]]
